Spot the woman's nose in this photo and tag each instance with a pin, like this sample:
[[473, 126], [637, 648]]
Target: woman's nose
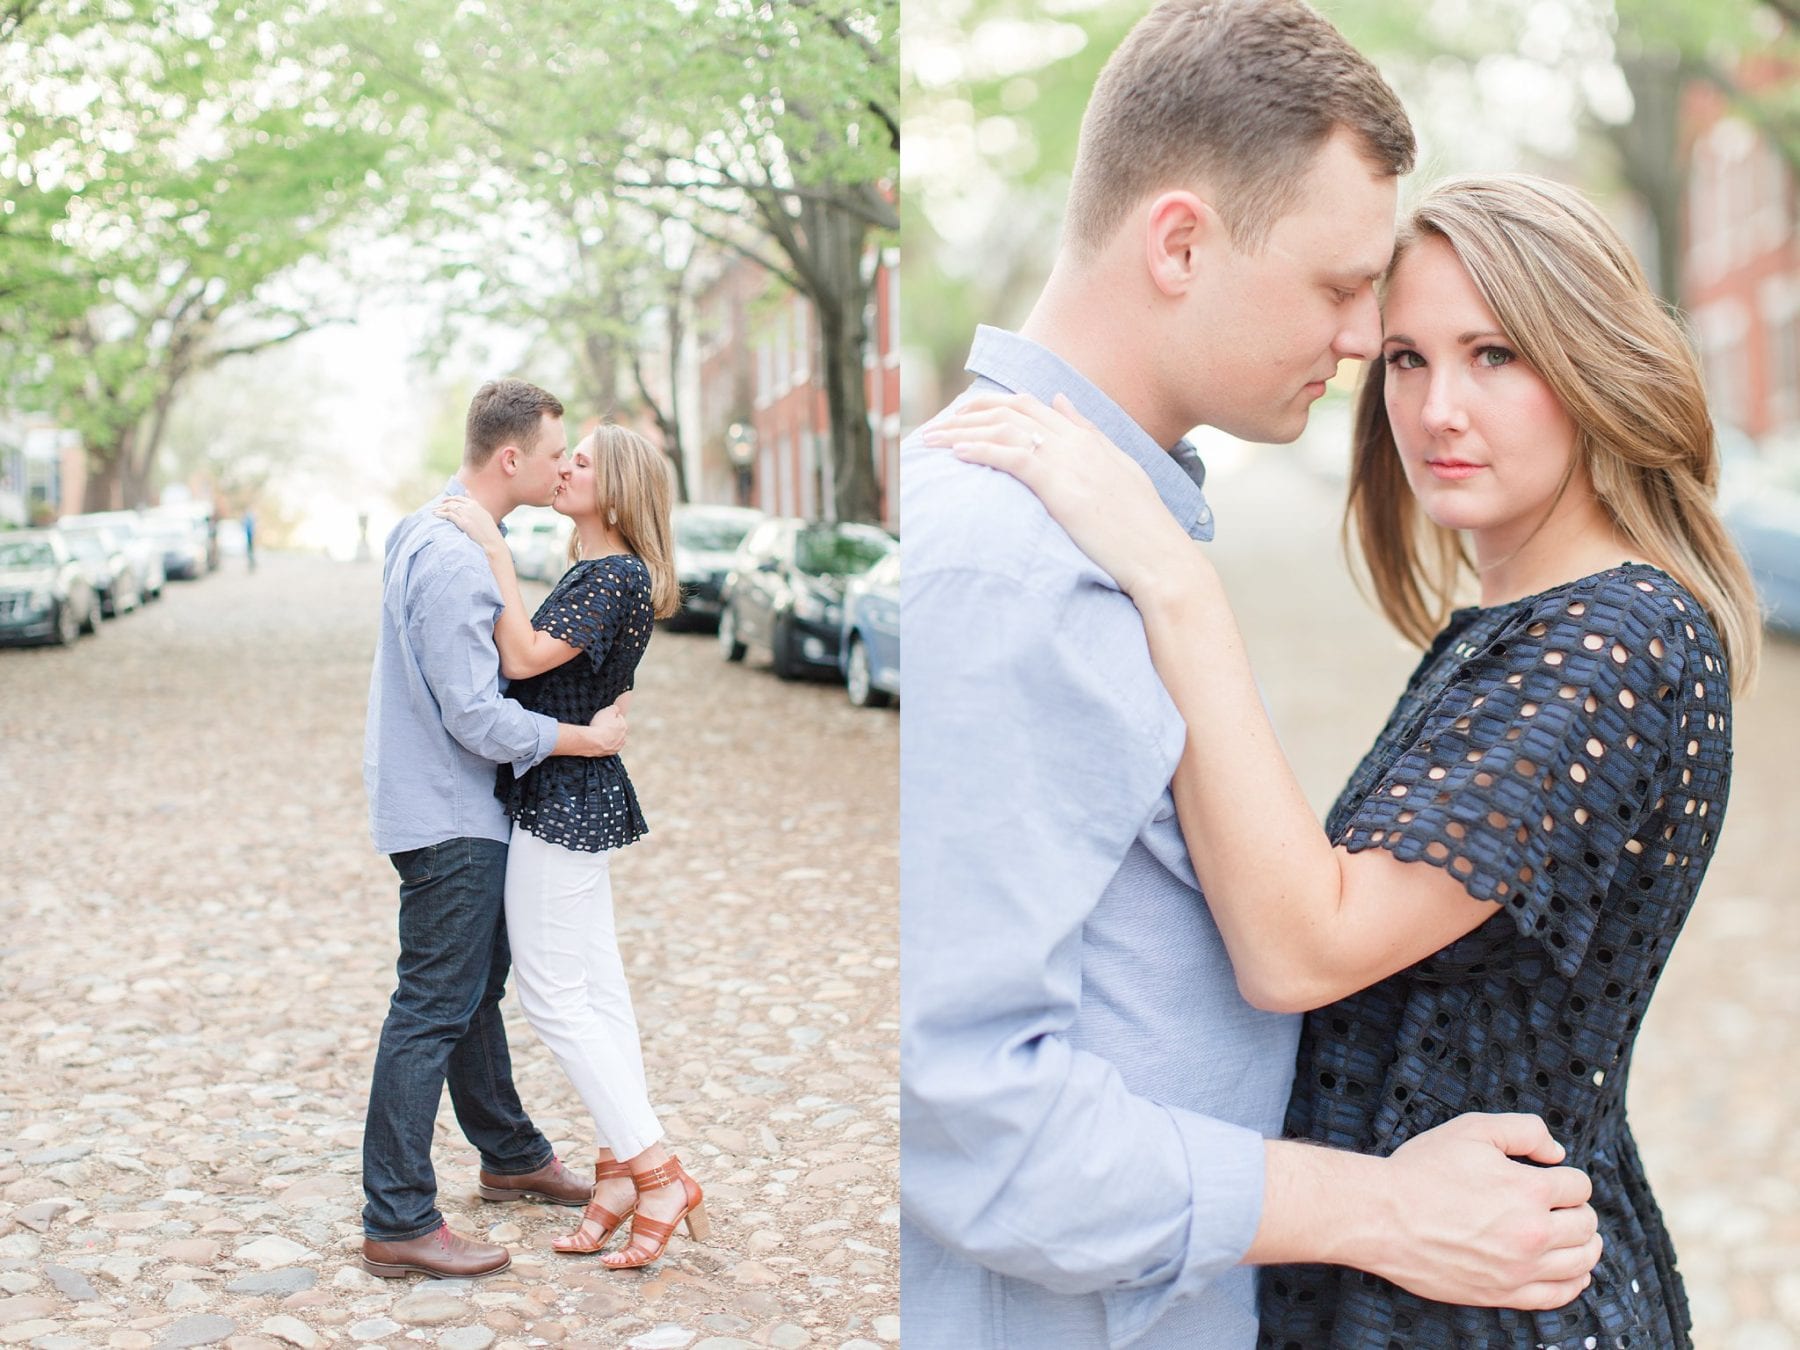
[[1443, 412]]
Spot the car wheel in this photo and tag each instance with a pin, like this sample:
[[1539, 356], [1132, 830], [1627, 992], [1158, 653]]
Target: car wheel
[[68, 627], [781, 652], [91, 624], [860, 681], [729, 646]]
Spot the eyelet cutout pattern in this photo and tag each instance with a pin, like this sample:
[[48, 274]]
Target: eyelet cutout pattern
[[1585, 833], [603, 607]]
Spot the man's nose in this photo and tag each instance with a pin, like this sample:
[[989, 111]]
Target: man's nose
[[1360, 337]]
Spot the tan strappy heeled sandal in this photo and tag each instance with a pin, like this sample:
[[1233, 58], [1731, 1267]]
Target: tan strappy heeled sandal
[[650, 1237], [573, 1244]]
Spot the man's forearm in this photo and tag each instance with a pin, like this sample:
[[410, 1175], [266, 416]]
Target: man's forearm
[[579, 740], [1320, 1205], [1451, 1215]]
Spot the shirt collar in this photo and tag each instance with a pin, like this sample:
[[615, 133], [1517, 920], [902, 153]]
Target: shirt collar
[[1021, 366], [456, 488]]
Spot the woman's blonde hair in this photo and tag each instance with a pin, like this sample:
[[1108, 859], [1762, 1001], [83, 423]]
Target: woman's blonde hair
[[631, 489], [1574, 302]]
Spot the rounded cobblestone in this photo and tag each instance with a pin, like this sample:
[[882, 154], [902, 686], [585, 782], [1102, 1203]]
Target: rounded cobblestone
[[199, 945]]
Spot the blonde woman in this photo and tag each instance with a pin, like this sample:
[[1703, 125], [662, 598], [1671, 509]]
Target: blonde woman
[[580, 651], [1559, 761]]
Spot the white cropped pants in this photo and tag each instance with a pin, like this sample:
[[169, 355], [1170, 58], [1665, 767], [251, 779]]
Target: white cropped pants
[[571, 983]]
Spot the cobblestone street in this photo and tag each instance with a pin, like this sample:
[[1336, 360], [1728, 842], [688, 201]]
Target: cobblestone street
[[1713, 1094], [196, 950]]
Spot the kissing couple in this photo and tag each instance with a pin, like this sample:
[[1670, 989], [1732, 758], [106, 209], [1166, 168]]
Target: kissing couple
[[496, 788]]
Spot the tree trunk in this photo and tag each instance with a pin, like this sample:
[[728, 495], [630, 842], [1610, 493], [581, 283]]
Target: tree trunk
[[840, 297], [1648, 156], [671, 424], [139, 465], [103, 491]]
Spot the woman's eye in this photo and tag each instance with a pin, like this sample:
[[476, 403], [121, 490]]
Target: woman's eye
[[1342, 296], [1404, 359], [1494, 356]]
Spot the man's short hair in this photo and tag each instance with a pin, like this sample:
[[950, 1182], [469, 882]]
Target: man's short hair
[[505, 412], [1239, 93]]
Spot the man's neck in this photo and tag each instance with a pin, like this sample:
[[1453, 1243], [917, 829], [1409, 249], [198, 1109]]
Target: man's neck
[[1074, 321], [490, 495]]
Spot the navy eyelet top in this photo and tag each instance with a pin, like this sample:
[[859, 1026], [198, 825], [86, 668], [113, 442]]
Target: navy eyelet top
[[1566, 756], [601, 605]]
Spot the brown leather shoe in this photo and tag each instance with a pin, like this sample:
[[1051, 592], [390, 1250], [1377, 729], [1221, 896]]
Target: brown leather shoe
[[442, 1254], [552, 1182]]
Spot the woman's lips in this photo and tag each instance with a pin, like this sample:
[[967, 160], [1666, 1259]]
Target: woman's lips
[[1453, 468]]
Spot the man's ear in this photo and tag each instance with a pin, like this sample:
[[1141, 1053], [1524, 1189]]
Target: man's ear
[[1181, 230], [508, 455]]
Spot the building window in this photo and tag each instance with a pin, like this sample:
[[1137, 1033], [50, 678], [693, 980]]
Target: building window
[[802, 343], [786, 457], [1723, 332], [893, 320], [1781, 304]]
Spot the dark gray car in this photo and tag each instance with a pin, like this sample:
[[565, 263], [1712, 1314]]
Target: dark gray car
[[45, 594]]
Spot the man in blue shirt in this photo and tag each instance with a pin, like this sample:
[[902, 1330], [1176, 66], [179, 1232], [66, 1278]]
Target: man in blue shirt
[[438, 725], [1089, 1108]]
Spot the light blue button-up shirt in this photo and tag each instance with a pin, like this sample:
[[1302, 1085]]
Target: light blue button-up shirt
[[438, 722], [1084, 1094]]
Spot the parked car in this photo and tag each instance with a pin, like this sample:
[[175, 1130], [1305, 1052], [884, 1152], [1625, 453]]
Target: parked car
[[45, 594], [706, 544], [114, 578], [128, 528], [183, 543], [1759, 499], [538, 539], [785, 591], [869, 652]]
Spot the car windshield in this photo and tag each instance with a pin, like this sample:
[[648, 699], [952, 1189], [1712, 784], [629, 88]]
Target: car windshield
[[887, 573], [20, 555], [839, 553], [711, 534], [87, 546]]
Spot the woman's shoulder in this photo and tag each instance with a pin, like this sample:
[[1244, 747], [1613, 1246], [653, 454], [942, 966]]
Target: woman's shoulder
[[1634, 602], [610, 567]]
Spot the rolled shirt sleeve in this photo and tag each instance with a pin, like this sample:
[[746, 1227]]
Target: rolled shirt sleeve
[[1025, 779], [451, 628]]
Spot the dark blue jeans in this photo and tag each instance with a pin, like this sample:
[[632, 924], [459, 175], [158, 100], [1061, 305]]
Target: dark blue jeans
[[444, 1024]]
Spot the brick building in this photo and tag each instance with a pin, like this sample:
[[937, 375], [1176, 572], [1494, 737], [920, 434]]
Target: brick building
[[757, 358], [1742, 264]]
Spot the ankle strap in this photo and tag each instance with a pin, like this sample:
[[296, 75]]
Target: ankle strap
[[668, 1174], [610, 1167]]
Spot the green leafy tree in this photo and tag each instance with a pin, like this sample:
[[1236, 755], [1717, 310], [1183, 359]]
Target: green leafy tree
[[163, 218], [768, 129]]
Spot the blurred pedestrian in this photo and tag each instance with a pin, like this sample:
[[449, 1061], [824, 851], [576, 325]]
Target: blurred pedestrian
[[1559, 761], [437, 726], [250, 538], [576, 655]]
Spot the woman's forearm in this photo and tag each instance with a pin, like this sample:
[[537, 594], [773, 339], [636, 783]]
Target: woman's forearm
[[1271, 877], [524, 651]]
